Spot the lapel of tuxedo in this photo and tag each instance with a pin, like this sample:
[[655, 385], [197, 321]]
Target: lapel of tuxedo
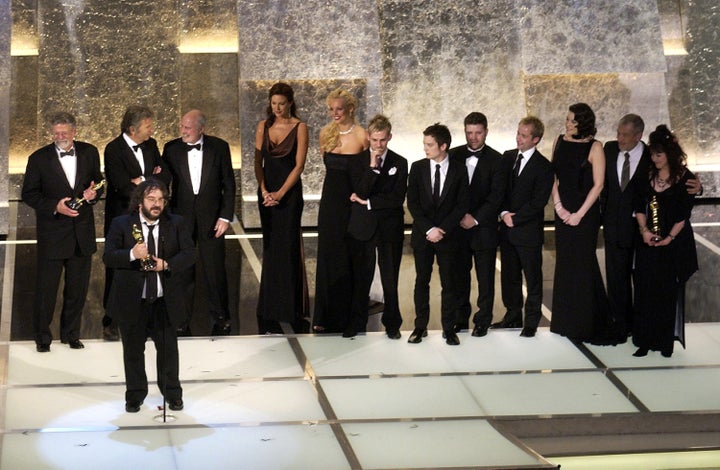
[[449, 177], [427, 183], [58, 169], [130, 158], [184, 165], [208, 155]]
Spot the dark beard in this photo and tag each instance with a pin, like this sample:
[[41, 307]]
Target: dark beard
[[149, 215]]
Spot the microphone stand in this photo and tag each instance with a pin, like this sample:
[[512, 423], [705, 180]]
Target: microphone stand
[[164, 417]]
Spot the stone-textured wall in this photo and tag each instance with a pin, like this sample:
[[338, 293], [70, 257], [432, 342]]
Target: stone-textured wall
[[5, 67], [417, 61]]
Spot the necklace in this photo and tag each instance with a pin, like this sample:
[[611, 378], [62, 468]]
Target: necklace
[[661, 183], [347, 131]]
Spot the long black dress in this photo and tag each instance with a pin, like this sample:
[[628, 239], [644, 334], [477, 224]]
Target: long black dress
[[661, 271], [580, 307], [333, 286], [283, 284]]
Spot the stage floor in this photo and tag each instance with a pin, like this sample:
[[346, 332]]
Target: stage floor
[[331, 402]]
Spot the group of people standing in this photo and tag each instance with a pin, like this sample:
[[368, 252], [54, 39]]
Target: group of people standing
[[466, 202], [149, 273]]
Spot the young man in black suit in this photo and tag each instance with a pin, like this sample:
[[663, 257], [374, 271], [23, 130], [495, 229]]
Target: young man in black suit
[[203, 192], [149, 300], [530, 180], [56, 174], [479, 234], [379, 179], [628, 161], [130, 158], [437, 197]]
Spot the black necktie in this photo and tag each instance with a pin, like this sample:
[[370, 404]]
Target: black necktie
[[135, 148], [196, 147], [436, 184], [625, 174], [516, 170], [151, 290], [379, 163], [69, 153]]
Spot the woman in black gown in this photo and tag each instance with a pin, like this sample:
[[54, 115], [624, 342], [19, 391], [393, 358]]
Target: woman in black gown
[[281, 143], [340, 141], [580, 308], [666, 257]]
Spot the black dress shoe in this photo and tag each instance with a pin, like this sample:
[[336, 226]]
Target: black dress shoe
[[110, 332], [176, 405], [184, 330], [221, 329], [479, 331], [393, 334], [132, 407], [528, 332], [349, 334], [451, 338], [459, 328], [42, 347], [417, 335], [666, 353], [641, 352], [506, 324], [74, 344]]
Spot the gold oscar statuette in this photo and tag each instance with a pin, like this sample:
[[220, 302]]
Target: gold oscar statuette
[[654, 218], [75, 204], [147, 263]]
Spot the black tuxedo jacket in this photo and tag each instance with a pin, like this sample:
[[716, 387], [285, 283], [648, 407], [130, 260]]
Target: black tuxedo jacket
[[216, 198], [121, 166], [526, 196], [45, 184], [451, 208], [385, 191], [619, 225], [175, 246], [486, 194]]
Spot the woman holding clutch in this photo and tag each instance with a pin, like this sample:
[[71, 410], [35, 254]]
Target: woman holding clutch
[[666, 258]]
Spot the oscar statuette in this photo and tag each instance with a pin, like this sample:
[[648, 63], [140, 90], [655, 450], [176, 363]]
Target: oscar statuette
[[76, 203], [654, 218], [147, 263]]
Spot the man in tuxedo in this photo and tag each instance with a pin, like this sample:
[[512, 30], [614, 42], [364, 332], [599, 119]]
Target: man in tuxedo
[[149, 300], [203, 192], [379, 180], [437, 197], [530, 180], [130, 158], [479, 226], [628, 162], [56, 174]]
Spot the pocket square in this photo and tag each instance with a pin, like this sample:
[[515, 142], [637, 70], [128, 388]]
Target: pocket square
[[392, 171]]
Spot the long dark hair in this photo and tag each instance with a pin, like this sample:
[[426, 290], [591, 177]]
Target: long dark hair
[[285, 90], [661, 140]]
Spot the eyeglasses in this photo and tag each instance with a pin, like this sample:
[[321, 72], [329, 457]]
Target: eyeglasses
[[154, 200]]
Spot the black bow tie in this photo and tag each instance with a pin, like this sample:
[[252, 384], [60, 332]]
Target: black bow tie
[[135, 148], [70, 153], [196, 147], [476, 153]]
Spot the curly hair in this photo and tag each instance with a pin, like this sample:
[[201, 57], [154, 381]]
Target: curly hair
[[585, 118], [332, 132], [142, 190], [661, 140]]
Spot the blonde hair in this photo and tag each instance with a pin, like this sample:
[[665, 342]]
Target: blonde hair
[[332, 132]]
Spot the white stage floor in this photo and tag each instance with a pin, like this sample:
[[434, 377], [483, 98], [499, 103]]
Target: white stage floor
[[312, 402]]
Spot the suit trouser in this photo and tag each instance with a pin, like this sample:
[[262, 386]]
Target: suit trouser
[[363, 257], [618, 268], [485, 275], [424, 258], [211, 258], [77, 278], [517, 260], [153, 322]]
